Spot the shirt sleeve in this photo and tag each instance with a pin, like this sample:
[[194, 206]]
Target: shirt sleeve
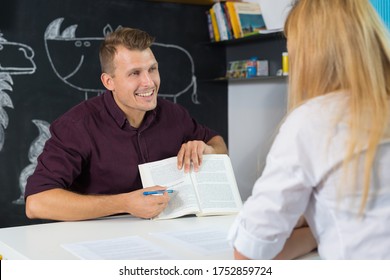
[[61, 160], [280, 196]]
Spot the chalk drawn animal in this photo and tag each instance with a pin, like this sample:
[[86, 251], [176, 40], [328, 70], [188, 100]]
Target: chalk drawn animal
[[35, 150], [5, 101], [80, 70], [15, 59]]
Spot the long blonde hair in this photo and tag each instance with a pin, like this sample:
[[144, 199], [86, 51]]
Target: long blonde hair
[[343, 45]]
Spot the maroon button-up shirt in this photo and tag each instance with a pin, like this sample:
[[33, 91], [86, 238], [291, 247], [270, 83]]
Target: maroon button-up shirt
[[94, 150]]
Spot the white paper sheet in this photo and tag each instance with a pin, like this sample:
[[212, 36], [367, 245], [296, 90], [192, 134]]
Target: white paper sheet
[[124, 248], [205, 241]]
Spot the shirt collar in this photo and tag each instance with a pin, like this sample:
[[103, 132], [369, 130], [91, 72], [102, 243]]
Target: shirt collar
[[120, 117], [113, 109]]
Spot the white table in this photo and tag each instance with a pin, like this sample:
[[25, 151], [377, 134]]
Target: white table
[[43, 241]]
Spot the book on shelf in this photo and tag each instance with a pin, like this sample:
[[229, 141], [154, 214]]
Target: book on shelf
[[212, 190], [221, 21], [210, 26], [238, 69], [249, 17], [233, 19], [226, 16], [213, 17]]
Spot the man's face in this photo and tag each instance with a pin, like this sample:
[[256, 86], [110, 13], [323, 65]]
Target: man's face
[[135, 81]]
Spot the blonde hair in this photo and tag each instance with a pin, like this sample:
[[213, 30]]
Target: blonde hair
[[338, 45]]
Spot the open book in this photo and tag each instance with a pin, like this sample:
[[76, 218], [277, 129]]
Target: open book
[[210, 191]]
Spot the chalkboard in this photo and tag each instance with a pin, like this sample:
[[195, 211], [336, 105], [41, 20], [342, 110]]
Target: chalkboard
[[49, 63]]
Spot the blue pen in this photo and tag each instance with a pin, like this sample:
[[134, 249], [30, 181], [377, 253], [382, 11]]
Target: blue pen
[[158, 192]]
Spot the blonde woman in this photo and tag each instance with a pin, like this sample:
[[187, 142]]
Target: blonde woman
[[330, 160]]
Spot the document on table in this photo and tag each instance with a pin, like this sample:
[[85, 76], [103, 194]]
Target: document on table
[[124, 248], [206, 241]]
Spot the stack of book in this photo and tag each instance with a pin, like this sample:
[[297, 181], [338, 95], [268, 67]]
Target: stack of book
[[248, 68], [234, 19]]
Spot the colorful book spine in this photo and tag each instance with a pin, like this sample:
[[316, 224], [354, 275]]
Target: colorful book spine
[[233, 20], [217, 37], [210, 26], [223, 33], [226, 17]]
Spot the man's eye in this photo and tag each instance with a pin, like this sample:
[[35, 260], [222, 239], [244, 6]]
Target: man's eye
[[134, 73]]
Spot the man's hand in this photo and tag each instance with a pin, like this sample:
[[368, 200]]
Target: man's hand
[[192, 152], [147, 206], [63, 205]]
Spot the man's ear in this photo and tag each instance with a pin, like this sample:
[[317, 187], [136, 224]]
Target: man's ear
[[107, 81]]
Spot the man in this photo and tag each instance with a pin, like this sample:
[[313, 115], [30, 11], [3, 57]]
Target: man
[[89, 167]]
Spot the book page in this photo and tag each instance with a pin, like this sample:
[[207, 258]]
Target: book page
[[165, 173], [216, 186]]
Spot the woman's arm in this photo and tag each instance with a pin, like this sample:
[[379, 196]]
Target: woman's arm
[[300, 242]]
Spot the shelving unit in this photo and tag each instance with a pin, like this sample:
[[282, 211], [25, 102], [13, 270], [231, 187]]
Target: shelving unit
[[195, 2], [252, 38], [243, 80], [268, 46], [246, 80]]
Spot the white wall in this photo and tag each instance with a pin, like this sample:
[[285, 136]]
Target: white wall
[[255, 109]]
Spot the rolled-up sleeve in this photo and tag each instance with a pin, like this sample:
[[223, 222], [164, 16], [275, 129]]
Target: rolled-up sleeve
[[62, 159]]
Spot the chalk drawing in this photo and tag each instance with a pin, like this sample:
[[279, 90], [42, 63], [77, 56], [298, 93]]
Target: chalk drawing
[[35, 150], [5, 101], [78, 67], [15, 59]]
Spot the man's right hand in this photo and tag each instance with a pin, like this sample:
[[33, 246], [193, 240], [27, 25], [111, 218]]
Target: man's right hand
[[147, 206], [63, 205]]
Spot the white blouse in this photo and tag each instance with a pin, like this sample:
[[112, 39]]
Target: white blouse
[[303, 176]]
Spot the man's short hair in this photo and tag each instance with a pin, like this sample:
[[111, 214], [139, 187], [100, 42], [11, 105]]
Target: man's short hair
[[130, 38]]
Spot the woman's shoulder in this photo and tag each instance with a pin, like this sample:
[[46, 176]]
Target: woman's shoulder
[[328, 100], [317, 114], [322, 107]]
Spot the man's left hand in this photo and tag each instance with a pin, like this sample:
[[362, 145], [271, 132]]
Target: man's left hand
[[192, 152]]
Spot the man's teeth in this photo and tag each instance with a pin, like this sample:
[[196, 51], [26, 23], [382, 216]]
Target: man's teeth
[[145, 94]]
